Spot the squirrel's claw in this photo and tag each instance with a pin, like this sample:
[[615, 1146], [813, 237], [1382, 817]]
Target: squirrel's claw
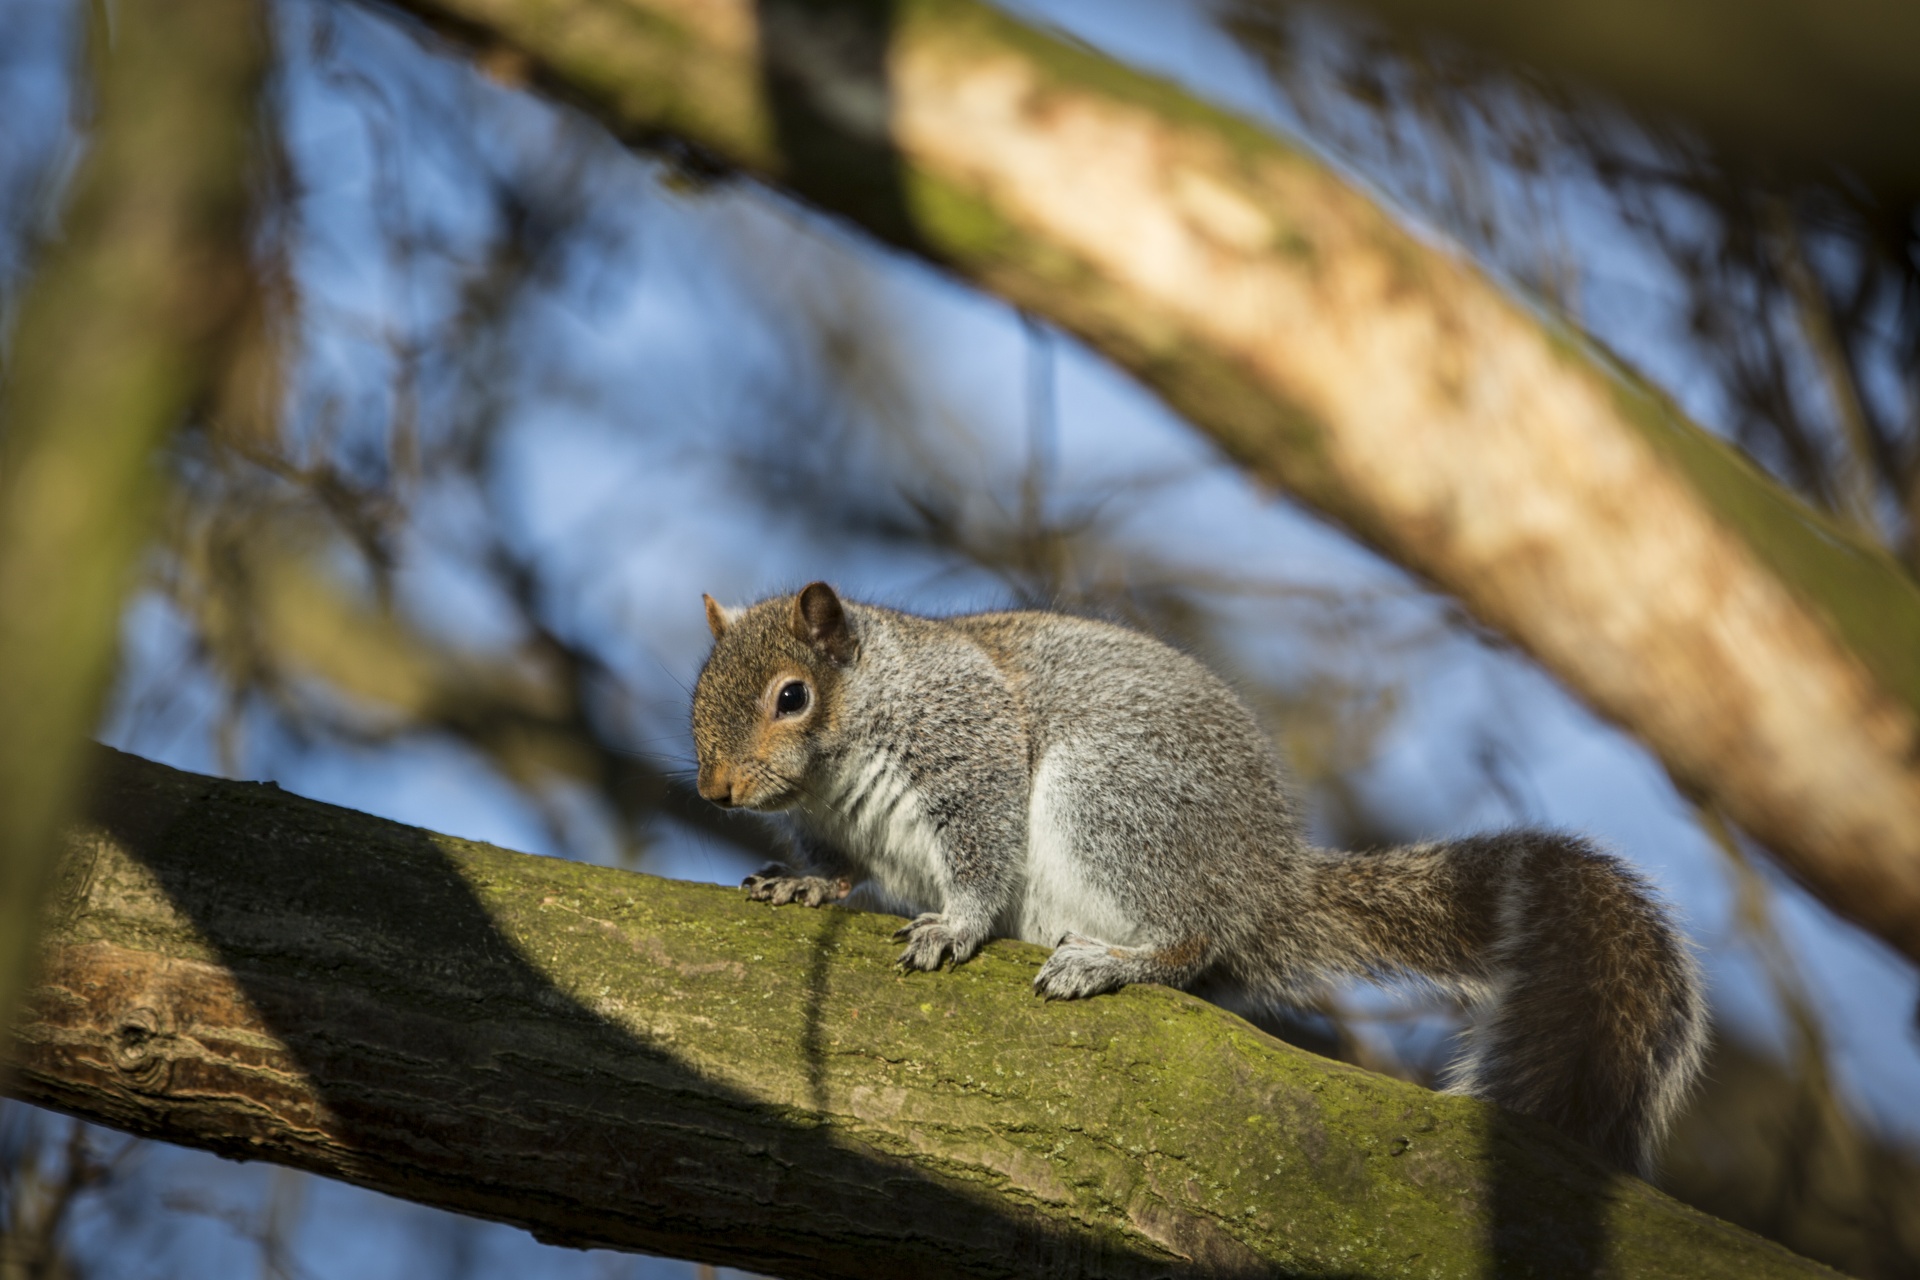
[[932, 938], [757, 884], [780, 886]]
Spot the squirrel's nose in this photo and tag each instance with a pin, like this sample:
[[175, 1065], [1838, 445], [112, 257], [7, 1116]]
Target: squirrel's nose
[[716, 784]]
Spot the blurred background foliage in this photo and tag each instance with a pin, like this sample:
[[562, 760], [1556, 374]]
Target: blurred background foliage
[[513, 396]]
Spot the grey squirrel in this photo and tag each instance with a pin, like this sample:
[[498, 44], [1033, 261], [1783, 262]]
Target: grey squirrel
[[1080, 785]]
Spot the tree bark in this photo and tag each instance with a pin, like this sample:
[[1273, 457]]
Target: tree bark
[[615, 1060], [123, 330], [1771, 660]]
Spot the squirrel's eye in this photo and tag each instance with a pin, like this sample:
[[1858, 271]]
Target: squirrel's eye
[[791, 700]]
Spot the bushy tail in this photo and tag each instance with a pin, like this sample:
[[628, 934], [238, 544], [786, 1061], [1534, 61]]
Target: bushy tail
[[1593, 1018]]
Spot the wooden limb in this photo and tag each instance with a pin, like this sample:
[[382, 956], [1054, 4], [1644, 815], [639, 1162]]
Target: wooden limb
[[611, 1059]]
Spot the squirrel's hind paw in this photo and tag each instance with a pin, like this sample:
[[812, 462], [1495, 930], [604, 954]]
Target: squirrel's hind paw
[[779, 886], [1080, 967], [933, 937]]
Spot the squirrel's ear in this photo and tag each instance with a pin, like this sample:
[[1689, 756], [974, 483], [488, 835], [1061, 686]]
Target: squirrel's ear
[[819, 621], [717, 617]]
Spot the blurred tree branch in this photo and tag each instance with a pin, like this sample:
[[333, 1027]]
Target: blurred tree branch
[[249, 571], [127, 327], [609, 1059], [1763, 652], [39, 1194], [1799, 303], [287, 538], [1816, 85], [1774, 1144]]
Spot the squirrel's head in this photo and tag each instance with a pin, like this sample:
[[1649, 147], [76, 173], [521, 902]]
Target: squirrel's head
[[767, 696]]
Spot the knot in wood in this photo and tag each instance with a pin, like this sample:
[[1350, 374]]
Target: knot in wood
[[141, 1048]]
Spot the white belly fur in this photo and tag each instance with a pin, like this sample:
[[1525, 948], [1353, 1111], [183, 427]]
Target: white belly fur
[[1056, 897], [892, 840], [902, 853]]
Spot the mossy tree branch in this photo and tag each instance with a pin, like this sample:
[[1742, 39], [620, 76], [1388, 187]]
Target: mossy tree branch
[[612, 1059], [1770, 659], [121, 333]]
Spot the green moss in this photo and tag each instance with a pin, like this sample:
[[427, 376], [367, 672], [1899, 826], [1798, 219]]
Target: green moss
[[957, 224], [1290, 243]]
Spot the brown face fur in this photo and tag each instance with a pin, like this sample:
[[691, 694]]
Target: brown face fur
[[755, 750]]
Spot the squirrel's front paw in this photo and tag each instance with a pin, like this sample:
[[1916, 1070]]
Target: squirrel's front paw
[[780, 886], [933, 937]]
